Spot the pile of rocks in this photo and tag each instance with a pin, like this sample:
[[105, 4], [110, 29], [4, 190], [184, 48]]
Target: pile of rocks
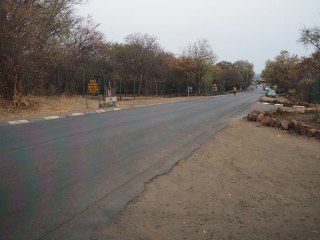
[[275, 118], [283, 101]]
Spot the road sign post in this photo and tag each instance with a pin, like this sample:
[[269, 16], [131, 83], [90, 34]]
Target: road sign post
[[94, 88]]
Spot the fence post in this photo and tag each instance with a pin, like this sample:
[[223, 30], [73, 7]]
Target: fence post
[[104, 85], [134, 89], [58, 81], [25, 86], [99, 93], [83, 83], [120, 88], [146, 89]]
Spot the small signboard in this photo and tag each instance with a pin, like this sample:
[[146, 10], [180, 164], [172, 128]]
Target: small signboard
[[93, 87], [292, 91], [215, 88]]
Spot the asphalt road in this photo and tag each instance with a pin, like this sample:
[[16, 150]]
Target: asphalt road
[[67, 178]]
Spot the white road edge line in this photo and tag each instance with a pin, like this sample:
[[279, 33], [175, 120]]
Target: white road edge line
[[18, 122], [295, 106], [77, 114], [265, 103], [51, 117], [100, 111], [278, 104], [116, 109]]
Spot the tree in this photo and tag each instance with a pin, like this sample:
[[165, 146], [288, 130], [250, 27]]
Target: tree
[[81, 46], [30, 34], [197, 58], [310, 36], [277, 71], [307, 72], [146, 51], [229, 76], [245, 69]]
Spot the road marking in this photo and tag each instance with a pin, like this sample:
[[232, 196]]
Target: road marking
[[295, 106], [100, 111], [278, 104], [51, 117], [116, 109], [77, 114], [18, 122], [266, 103]]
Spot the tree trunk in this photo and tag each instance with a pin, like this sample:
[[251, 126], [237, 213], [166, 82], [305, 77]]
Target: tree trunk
[[140, 82], [10, 84]]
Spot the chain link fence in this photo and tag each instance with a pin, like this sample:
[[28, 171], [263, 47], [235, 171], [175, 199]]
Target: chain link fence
[[313, 92], [63, 82]]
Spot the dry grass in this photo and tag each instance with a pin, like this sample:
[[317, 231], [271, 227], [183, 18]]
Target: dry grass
[[48, 106]]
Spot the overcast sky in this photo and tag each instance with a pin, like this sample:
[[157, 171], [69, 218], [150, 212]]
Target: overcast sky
[[253, 30]]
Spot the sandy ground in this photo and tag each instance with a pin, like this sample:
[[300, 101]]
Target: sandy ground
[[244, 183], [49, 106]]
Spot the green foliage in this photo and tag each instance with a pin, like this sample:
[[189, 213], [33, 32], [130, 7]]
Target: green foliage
[[277, 71], [245, 68], [238, 74]]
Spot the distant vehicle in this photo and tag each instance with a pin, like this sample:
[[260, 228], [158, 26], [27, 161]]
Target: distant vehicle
[[271, 93], [266, 88]]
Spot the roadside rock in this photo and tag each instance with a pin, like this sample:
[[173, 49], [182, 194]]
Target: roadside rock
[[311, 132], [270, 113], [293, 125], [299, 128], [301, 110], [272, 122], [253, 116], [280, 111], [311, 110], [277, 123], [260, 117], [266, 121], [317, 134], [296, 125], [284, 124], [305, 129]]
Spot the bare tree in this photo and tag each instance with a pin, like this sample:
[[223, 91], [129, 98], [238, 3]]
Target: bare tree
[[199, 57], [30, 34], [81, 46], [311, 36], [146, 51]]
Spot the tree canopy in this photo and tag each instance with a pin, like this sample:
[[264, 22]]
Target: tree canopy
[[302, 74], [47, 45]]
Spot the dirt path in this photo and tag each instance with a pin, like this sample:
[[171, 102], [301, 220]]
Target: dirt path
[[245, 183]]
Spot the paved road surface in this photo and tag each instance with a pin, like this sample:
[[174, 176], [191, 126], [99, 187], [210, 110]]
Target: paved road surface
[[65, 179]]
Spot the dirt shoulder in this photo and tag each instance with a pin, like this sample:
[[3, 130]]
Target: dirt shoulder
[[244, 183], [49, 106]]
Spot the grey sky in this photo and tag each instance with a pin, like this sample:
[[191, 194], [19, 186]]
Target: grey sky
[[253, 30]]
